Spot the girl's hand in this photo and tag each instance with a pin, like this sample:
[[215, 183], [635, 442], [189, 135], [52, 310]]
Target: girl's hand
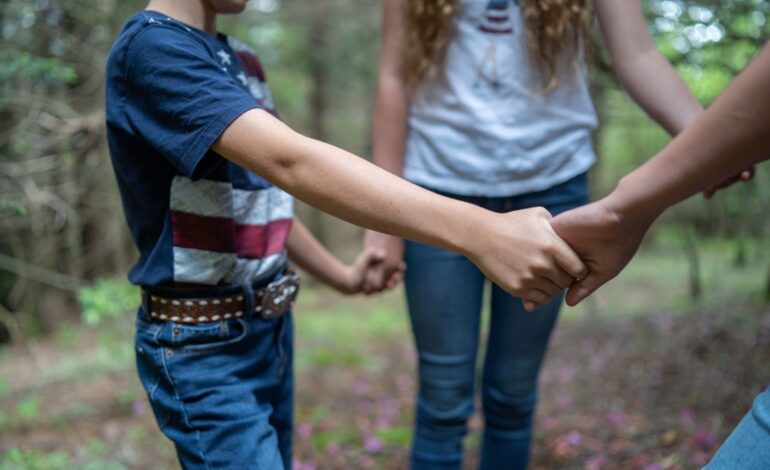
[[390, 272], [355, 274], [744, 176], [521, 253]]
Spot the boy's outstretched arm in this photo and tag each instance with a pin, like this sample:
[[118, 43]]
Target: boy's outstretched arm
[[733, 134], [519, 251], [307, 252]]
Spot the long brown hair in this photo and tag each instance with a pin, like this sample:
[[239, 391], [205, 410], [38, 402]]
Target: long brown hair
[[555, 28]]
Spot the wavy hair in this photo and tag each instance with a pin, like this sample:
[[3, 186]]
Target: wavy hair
[[555, 29]]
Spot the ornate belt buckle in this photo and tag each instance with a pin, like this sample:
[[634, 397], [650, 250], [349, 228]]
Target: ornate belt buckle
[[279, 296]]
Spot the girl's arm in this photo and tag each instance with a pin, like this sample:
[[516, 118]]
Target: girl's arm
[[519, 250], [391, 112], [648, 77], [641, 69], [307, 252], [734, 133]]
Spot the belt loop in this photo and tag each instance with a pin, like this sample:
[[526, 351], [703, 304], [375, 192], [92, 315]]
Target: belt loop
[[145, 301], [248, 299]]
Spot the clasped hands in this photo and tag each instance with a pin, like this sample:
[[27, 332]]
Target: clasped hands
[[535, 256]]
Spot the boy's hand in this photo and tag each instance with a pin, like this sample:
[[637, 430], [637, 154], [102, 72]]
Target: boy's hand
[[521, 253], [744, 176], [369, 259], [390, 272]]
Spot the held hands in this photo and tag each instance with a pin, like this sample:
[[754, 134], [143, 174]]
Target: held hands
[[604, 239], [390, 272], [369, 261], [522, 253]]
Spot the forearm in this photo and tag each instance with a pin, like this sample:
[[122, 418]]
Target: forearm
[[308, 253], [391, 110], [390, 125], [644, 73], [656, 87], [346, 186], [733, 134]]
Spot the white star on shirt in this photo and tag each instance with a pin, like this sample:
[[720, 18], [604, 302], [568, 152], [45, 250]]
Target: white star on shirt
[[224, 57], [242, 77]]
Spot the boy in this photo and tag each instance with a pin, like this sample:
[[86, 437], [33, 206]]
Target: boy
[[196, 149]]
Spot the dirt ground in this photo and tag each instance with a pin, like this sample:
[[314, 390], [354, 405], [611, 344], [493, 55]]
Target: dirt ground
[[645, 392]]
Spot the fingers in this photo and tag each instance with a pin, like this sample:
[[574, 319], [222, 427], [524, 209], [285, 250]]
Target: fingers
[[560, 277], [380, 275], [547, 286], [582, 289], [744, 176], [373, 279], [568, 260], [396, 276]]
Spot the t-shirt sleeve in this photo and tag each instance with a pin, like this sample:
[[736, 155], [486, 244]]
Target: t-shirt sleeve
[[179, 99]]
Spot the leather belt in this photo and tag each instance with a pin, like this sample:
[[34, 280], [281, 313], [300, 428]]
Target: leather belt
[[273, 301]]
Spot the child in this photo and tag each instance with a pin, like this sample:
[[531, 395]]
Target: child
[[487, 101], [733, 134], [199, 156]]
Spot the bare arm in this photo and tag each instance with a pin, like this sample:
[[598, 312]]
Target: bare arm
[[641, 69], [391, 110], [307, 252], [389, 132], [519, 250], [734, 133]]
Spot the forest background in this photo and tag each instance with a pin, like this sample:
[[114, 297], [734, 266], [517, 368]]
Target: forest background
[[675, 343]]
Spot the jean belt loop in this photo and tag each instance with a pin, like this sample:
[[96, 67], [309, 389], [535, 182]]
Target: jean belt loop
[[248, 299], [146, 301]]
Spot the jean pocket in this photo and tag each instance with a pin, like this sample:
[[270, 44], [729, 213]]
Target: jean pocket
[[206, 337]]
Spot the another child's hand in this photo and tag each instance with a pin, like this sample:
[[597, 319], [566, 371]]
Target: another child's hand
[[369, 259]]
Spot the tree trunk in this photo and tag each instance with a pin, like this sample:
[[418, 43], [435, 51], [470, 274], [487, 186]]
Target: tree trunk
[[693, 260]]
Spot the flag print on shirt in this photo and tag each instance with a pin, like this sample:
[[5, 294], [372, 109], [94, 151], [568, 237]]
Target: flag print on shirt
[[223, 234], [497, 18], [232, 226], [252, 75]]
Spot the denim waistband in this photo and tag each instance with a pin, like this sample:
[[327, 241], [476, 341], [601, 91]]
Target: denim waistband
[[573, 191]]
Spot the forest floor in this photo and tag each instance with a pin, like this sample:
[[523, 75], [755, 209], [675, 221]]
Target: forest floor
[[646, 380]]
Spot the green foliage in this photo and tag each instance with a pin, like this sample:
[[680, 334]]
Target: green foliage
[[17, 459], [28, 409], [45, 70], [395, 436], [5, 388], [13, 208], [107, 298]]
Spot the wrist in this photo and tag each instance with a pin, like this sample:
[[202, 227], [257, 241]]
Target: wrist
[[464, 237], [344, 282], [631, 203]]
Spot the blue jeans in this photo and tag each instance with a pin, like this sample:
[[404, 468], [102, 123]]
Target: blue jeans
[[444, 295], [221, 391], [748, 446]]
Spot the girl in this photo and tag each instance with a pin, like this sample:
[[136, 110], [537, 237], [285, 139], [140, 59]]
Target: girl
[[487, 102]]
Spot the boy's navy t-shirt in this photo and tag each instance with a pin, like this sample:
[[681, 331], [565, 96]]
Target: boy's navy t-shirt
[[195, 217]]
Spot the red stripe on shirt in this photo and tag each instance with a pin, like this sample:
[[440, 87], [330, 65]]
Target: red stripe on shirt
[[251, 65], [487, 29], [258, 241], [203, 232]]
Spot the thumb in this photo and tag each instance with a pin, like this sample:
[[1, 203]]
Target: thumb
[[582, 289]]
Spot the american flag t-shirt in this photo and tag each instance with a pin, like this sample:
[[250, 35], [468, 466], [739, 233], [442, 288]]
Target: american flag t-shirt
[[233, 228]]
